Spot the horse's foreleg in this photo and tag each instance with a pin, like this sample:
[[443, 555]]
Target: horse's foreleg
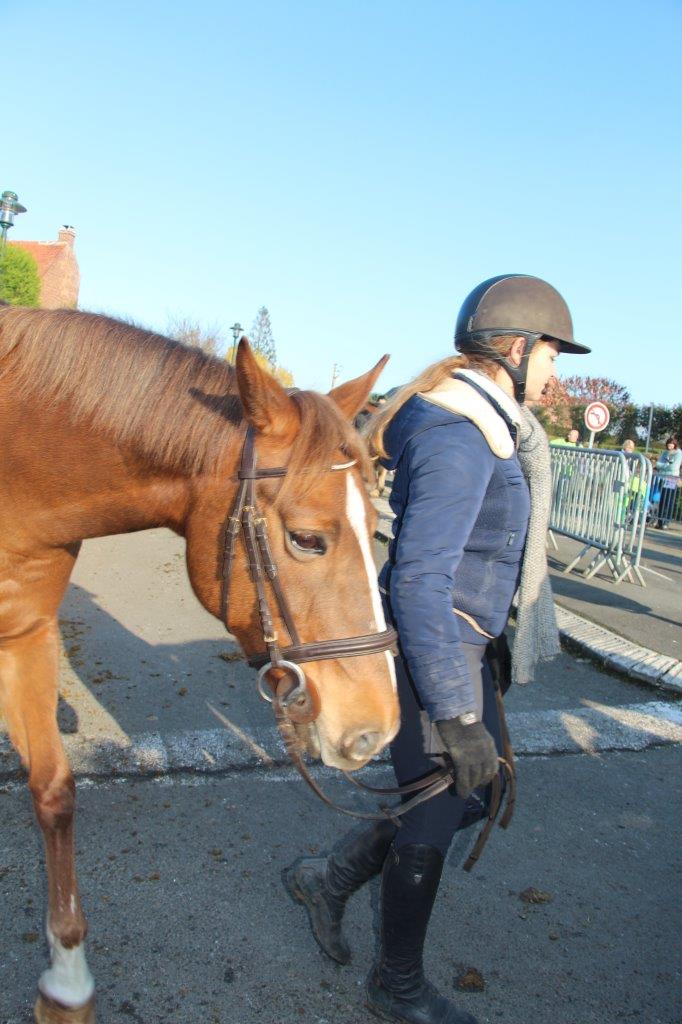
[[28, 674]]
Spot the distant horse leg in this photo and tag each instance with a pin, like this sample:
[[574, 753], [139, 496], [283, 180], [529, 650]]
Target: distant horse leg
[[28, 681]]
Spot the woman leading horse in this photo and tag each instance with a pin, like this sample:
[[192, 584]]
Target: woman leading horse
[[471, 499]]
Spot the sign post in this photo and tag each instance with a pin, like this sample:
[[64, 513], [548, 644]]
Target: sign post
[[597, 417]]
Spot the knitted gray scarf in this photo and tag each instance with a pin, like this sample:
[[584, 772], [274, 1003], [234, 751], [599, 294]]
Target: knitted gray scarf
[[537, 636]]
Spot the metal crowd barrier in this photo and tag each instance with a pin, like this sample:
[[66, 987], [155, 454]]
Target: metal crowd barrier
[[600, 498], [665, 500]]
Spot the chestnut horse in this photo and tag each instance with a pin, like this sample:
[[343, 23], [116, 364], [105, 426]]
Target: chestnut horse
[[106, 428]]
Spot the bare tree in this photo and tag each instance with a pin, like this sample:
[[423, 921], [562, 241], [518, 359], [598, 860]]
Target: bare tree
[[190, 332], [595, 389]]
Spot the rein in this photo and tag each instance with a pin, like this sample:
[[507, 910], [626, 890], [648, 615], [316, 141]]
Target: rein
[[294, 698]]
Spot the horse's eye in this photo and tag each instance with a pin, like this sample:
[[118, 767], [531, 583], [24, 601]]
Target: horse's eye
[[311, 543]]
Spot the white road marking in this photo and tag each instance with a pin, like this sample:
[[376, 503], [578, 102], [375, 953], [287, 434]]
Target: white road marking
[[595, 727], [654, 572]]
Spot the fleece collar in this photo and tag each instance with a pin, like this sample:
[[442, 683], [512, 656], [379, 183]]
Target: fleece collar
[[458, 397]]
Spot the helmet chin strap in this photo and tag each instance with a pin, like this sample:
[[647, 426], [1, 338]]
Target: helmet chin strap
[[518, 375], [480, 345]]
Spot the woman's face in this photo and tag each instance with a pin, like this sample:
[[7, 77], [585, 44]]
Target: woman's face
[[670, 446], [540, 368]]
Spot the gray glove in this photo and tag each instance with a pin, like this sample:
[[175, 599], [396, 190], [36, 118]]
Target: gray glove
[[472, 750]]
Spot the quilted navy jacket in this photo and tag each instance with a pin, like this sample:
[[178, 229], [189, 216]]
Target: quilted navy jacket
[[461, 515]]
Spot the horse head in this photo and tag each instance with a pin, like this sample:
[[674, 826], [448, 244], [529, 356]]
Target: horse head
[[319, 525]]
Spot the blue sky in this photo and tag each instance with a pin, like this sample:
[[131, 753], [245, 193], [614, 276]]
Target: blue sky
[[358, 167]]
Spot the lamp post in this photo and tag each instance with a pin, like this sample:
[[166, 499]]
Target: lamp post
[[648, 430], [9, 207], [237, 331]]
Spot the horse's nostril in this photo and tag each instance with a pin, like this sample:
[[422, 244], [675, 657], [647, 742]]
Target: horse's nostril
[[360, 746]]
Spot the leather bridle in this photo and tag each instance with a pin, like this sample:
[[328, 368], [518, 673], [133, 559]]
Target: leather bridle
[[275, 661], [283, 683]]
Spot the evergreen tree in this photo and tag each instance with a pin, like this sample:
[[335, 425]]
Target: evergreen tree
[[261, 337], [627, 424], [663, 422], [19, 280]]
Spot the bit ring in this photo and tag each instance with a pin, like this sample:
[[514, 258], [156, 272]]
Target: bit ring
[[290, 666]]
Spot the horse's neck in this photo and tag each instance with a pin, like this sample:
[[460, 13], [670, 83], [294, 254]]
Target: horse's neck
[[135, 501], [63, 484]]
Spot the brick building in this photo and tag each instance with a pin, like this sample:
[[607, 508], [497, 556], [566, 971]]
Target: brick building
[[57, 269]]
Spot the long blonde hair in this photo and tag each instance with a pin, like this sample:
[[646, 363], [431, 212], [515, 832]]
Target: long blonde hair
[[428, 379]]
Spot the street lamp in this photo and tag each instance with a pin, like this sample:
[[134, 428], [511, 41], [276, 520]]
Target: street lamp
[[237, 331], [9, 207]]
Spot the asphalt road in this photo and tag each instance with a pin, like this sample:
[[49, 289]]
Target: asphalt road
[[180, 869], [651, 615], [190, 924], [143, 663]]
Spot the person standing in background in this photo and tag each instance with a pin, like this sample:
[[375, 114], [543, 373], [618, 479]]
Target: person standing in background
[[572, 439], [668, 468], [635, 498]]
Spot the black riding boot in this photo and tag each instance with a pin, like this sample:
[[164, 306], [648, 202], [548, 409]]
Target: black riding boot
[[323, 885], [396, 987]]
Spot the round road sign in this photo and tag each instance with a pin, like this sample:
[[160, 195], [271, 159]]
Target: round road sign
[[597, 417]]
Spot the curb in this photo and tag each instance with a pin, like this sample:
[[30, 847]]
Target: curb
[[594, 728], [617, 654]]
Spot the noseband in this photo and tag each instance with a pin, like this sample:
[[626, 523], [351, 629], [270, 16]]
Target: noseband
[[300, 699]]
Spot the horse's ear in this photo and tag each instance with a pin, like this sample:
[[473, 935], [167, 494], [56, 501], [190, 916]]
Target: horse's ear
[[267, 406], [351, 396]]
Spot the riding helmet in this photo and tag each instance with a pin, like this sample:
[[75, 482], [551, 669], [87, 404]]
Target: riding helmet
[[514, 304]]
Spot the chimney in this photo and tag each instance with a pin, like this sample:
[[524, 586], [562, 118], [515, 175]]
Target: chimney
[[67, 234]]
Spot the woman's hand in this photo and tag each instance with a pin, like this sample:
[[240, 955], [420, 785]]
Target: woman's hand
[[473, 753]]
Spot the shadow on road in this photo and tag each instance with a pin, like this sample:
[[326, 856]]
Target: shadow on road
[[589, 593], [145, 686]]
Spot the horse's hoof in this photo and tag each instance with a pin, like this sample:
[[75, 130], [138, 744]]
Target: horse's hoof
[[48, 1012]]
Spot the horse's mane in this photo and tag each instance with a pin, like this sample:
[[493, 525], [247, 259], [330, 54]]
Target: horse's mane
[[171, 403], [174, 405]]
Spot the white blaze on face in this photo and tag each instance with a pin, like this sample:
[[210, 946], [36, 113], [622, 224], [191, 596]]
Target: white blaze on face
[[68, 981], [357, 517]]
